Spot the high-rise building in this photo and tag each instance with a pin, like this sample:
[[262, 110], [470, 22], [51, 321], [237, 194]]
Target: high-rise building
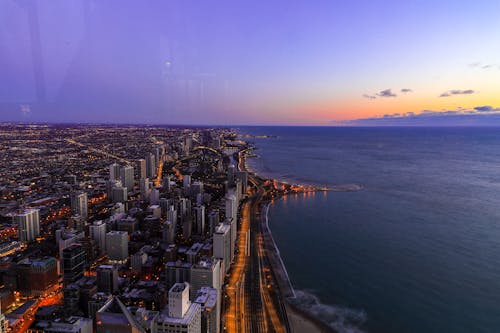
[[3, 323], [77, 223], [199, 215], [196, 188], [154, 197], [67, 237], [206, 273], [71, 298], [210, 316], [96, 302], [233, 232], [222, 245], [144, 186], [73, 263], [72, 324], [97, 232], [114, 171], [213, 220], [114, 317], [137, 261], [178, 300], [242, 176], [186, 182], [168, 232], [231, 175], [176, 272], [141, 169], [231, 206], [36, 276], [28, 225], [182, 315], [119, 194], [184, 206], [107, 278], [127, 177], [79, 204], [150, 166], [117, 246]]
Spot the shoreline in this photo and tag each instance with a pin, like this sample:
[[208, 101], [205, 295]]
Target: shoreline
[[298, 320], [350, 187]]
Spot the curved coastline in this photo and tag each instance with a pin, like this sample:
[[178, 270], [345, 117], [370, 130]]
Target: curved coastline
[[267, 232], [352, 187], [299, 319]]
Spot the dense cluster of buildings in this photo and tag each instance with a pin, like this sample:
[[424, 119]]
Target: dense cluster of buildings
[[117, 229]]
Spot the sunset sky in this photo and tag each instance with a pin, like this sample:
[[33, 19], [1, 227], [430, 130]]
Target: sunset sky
[[231, 62]]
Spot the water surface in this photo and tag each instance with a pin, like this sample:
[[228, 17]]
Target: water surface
[[417, 250]]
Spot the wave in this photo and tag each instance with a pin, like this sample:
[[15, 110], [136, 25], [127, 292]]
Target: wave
[[340, 319]]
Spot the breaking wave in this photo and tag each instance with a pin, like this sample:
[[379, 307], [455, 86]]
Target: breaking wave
[[340, 319]]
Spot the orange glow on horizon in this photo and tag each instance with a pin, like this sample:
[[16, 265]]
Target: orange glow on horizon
[[360, 107]]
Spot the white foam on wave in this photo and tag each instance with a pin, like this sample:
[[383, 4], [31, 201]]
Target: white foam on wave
[[341, 319]]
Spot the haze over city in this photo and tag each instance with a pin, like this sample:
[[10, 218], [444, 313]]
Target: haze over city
[[249, 166], [250, 62]]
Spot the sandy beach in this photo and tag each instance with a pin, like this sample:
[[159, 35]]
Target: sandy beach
[[302, 322]]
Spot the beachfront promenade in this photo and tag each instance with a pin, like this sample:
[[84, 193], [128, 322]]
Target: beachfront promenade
[[258, 285], [253, 306]]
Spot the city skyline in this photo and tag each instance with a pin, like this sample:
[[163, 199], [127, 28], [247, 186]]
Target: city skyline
[[246, 63]]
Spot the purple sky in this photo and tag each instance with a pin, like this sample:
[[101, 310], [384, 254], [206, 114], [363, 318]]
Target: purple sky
[[238, 62]]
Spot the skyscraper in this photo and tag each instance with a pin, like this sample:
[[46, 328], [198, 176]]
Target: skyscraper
[[115, 317], [206, 273], [186, 183], [36, 276], [3, 323], [141, 168], [144, 186], [178, 300], [73, 263], [114, 171], [97, 232], [28, 225], [150, 166], [222, 245], [182, 315], [231, 206], [127, 177], [117, 246], [107, 278], [119, 194], [168, 232], [79, 204], [199, 212], [210, 316]]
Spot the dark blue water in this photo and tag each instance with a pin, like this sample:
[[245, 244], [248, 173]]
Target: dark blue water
[[417, 250]]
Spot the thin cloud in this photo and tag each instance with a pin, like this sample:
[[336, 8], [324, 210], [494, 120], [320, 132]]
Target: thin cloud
[[456, 92], [484, 115], [486, 108], [482, 66], [386, 93]]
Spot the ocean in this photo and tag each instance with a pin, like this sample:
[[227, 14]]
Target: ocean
[[416, 250]]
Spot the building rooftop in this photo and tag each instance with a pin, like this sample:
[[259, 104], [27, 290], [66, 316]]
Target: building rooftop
[[222, 228], [188, 317], [178, 287], [206, 297]]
